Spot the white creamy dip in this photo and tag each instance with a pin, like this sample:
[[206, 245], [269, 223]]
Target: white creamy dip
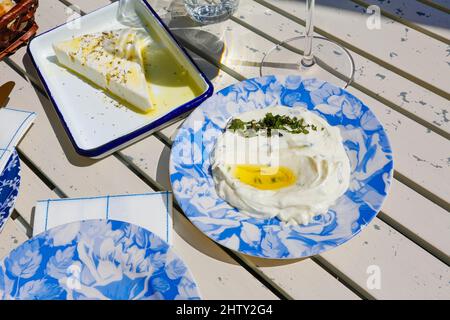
[[292, 176]]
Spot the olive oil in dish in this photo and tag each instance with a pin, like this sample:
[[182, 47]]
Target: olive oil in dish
[[133, 66], [169, 82]]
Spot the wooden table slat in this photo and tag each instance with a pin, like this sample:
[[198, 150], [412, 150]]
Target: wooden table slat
[[32, 188], [11, 237], [402, 94], [406, 52], [426, 19], [441, 3]]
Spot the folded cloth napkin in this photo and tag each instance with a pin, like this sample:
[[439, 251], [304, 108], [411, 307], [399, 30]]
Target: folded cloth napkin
[[151, 211], [13, 125]]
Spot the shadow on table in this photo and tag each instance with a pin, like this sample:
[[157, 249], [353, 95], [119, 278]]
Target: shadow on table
[[194, 237], [417, 12]]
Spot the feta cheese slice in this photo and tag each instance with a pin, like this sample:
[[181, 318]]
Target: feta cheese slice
[[111, 60]]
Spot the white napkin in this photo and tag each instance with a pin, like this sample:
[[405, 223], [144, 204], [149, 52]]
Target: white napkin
[[13, 125], [151, 211]]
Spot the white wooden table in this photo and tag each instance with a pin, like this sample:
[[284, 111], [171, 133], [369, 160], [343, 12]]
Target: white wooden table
[[403, 74]]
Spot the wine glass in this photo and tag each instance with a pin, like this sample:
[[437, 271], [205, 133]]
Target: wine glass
[[126, 14], [311, 56]]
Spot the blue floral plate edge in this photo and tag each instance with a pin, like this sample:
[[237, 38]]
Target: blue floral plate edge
[[13, 172]]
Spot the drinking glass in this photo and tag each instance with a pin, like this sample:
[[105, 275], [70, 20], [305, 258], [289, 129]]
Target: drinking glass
[[210, 11], [126, 14], [311, 56]]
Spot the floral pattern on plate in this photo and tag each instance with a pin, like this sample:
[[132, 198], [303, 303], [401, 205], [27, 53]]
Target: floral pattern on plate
[[95, 259], [365, 141], [9, 187]]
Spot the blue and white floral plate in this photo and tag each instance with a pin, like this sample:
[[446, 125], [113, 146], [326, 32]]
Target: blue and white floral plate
[[95, 259], [9, 187], [365, 141]]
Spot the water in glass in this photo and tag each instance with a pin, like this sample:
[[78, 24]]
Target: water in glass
[[210, 11]]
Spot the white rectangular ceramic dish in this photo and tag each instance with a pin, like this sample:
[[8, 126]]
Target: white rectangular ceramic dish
[[96, 123]]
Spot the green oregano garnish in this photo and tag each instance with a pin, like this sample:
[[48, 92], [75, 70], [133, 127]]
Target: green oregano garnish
[[273, 122]]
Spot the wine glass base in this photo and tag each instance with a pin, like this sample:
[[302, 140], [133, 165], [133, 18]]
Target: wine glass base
[[332, 62]]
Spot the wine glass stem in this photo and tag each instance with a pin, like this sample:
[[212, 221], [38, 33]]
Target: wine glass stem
[[308, 57]]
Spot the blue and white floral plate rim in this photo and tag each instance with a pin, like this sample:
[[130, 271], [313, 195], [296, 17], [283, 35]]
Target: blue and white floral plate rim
[[95, 259], [9, 187], [365, 140]]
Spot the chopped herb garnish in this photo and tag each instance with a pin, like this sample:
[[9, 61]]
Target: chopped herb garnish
[[273, 122], [237, 124]]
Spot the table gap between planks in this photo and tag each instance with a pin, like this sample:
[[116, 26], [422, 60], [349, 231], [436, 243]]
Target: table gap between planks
[[411, 103]]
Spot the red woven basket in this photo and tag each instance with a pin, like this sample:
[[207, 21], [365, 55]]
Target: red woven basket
[[17, 26]]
